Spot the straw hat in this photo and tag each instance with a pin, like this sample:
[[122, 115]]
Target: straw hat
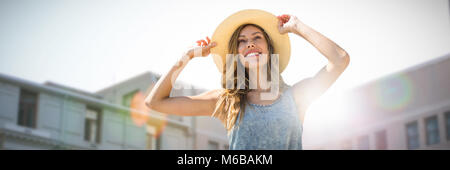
[[265, 20]]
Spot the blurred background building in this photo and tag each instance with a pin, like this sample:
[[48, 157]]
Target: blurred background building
[[406, 110], [53, 116]]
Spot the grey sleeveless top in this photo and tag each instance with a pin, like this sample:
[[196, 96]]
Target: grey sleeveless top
[[268, 127]]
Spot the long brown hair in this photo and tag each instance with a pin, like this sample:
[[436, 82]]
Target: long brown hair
[[232, 100]]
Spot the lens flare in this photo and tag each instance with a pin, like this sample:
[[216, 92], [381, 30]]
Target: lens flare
[[142, 115], [139, 112], [160, 127], [394, 93]]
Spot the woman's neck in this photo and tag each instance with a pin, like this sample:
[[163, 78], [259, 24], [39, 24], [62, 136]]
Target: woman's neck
[[260, 83]]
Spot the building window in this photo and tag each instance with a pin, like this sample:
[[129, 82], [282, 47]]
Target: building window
[[92, 125], [432, 129], [213, 145], [447, 124], [412, 133], [127, 98], [27, 109], [159, 142], [380, 140], [363, 142]]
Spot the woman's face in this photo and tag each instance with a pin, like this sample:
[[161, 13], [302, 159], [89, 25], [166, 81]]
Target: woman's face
[[251, 45]]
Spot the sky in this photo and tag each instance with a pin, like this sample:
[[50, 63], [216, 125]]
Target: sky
[[92, 44]]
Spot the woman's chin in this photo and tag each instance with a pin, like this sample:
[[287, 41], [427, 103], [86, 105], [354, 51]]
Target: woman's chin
[[254, 65]]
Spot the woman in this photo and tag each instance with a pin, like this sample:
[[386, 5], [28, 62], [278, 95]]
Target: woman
[[252, 120]]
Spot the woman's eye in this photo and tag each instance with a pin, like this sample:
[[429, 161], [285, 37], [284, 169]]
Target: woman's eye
[[240, 41], [257, 37]]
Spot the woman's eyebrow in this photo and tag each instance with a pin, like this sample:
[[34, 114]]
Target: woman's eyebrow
[[252, 34], [256, 33]]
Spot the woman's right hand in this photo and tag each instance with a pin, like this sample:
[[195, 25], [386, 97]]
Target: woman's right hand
[[202, 50], [200, 105]]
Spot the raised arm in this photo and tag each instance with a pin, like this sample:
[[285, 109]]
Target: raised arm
[[311, 88], [201, 105]]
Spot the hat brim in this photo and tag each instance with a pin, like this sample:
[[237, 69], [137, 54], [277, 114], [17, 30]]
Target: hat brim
[[265, 20]]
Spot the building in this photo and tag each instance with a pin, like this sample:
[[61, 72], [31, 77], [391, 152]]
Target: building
[[406, 110], [53, 116]]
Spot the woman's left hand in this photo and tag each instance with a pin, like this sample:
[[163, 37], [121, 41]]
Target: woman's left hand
[[288, 24]]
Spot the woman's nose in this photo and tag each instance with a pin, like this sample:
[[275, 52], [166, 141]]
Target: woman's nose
[[251, 45]]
